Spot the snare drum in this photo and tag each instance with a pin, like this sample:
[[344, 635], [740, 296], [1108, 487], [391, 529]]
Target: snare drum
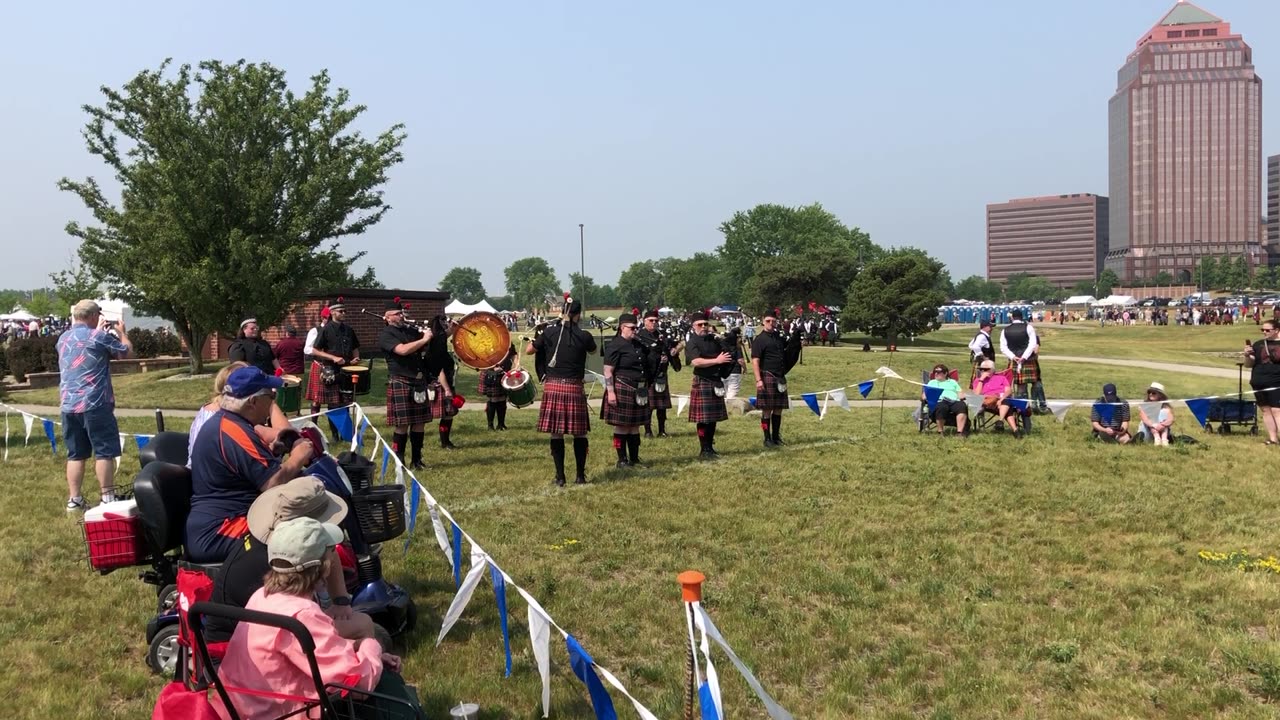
[[354, 379], [520, 388], [289, 397]]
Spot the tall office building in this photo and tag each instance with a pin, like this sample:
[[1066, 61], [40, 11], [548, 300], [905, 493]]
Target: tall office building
[[1062, 238], [1273, 204], [1185, 149]]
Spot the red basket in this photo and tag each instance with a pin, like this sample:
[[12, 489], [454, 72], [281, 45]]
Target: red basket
[[115, 543]]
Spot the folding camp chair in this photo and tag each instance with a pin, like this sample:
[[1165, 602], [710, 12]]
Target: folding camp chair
[[982, 419]]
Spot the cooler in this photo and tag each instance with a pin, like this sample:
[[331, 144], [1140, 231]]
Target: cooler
[[113, 535]]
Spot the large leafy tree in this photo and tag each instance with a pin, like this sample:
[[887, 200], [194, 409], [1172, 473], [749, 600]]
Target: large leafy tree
[[464, 284], [642, 285], [694, 282], [896, 295], [233, 189], [529, 281], [1107, 280], [976, 287], [820, 274], [776, 231]]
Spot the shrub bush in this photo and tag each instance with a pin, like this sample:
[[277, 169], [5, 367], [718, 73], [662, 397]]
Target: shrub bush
[[29, 355], [153, 343]]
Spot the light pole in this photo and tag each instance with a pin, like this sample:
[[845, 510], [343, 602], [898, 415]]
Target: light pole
[[582, 265]]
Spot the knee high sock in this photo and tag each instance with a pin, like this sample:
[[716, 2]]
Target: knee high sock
[[633, 447], [777, 426], [398, 443], [446, 425], [662, 420], [580, 454], [557, 456], [648, 422], [711, 436], [764, 427], [620, 446], [704, 436], [502, 415], [415, 443], [490, 411]]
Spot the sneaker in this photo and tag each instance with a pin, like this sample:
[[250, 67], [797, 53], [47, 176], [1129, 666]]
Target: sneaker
[[663, 435], [75, 505], [107, 497]]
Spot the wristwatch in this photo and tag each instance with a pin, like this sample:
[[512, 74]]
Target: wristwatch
[[343, 601]]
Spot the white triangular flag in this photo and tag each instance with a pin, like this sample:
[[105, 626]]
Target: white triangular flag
[[377, 445], [124, 442], [841, 398], [887, 373], [27, 420], [771, 706], [713, 678], [682, 401], [399, 471], [641, 710], [540, 639], [356, 429], [974, 401], [1152, 409], [442, 537], [478, 565], [1059, 409], [6, 434]]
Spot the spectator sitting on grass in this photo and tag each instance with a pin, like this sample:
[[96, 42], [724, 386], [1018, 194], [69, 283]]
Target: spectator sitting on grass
[[1156, 429], [1116, 428]]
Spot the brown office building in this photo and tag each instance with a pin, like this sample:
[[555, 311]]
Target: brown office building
[[1273, 203], [1062, 238], [1185, 149]]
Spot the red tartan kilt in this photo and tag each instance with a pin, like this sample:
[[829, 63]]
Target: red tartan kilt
[[769, 397], [439, 408], [704, 406], [564, 408], [1030, 371], [659, 400], [625, 412], [401, 409], [317, 392], [490, 386]]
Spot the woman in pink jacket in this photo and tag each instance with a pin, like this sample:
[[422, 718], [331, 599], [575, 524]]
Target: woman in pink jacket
[[262, 658]]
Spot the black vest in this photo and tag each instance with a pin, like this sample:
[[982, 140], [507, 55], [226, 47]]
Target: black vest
[[988, 352], [1016, 337]]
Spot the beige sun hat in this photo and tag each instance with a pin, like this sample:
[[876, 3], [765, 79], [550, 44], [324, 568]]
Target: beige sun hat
[[300, 497]]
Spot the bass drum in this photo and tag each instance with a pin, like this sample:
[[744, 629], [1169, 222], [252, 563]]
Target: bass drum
[[481, 340], [520, 388]]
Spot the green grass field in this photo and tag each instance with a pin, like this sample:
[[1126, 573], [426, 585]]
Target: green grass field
[[859, 574]]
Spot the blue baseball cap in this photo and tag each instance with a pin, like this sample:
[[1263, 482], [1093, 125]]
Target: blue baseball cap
[[247, 381]]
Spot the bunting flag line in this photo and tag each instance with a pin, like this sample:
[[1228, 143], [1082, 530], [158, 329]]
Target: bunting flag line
[[1105, 411], [1059, 410], [6, 435], [28, 421], [540, 640], [709, 691], [1150, 409], [442, 537], [1019, 404], [931, 396], [641, 710], [48, 432], [864, 389], [386, 458], [811, 400], [826, 400], [500, 595], [771, 706], [478, 563], [357, 435], [457, 553], [885, 372], [411, 498], [142, 441], [840, 397], [683, 401], [341, 419], [1199, 408], [974, 401], [584, 668]]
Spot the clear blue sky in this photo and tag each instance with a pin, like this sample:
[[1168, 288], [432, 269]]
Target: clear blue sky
[[649, 122]]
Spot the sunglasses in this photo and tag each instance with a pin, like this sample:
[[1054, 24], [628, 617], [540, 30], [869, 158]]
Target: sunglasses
[[935, 372], [699, 324]]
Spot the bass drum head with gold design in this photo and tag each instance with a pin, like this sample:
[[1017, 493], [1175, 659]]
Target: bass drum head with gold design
[[481, 340]]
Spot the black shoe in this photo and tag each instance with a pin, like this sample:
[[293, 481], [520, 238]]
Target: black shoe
[[448, 446], [707, 455], [580, 480], [417, 465], [491, 427], [1017, 434], [637, 464], [623, 465], [714, 455], [648, 433], [663, 435], [559, 482], [502, 427], [768, 442], [778, 441]]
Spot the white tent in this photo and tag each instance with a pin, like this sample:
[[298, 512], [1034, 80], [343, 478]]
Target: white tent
[[19, 315], [457, 307], [1080, 300], [1123, 300]]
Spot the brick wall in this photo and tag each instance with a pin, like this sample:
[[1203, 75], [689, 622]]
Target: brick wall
[[423, 305]]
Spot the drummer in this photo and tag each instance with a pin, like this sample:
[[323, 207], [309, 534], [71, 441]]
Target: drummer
[[336, 346], [440, 370], [491, 387], [564, 404], [408, 411]]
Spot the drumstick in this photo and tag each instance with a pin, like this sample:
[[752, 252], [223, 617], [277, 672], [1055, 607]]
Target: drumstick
[[457, 324]]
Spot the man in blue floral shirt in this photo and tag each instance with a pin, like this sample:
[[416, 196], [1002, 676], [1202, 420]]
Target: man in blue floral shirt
[[85, 352]]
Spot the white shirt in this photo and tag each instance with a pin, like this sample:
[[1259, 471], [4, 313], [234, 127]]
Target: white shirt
[[979, 342], [312, 334], [1033, 343]]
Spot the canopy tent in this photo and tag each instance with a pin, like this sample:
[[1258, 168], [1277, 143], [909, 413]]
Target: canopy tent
[[19, 315], [1122, 300], [1080, 300], [457, 307]]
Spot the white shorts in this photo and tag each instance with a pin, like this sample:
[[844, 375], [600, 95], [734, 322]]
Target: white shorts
[[732, 385]]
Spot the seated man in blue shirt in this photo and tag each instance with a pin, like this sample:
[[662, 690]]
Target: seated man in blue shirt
[[231, 464], [1116, 428]]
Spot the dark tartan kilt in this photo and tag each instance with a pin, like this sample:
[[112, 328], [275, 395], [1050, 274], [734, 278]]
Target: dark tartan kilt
[[1030, 371], [625, 412], [439, 408], [318, 393], [401, 409], [769, 397], [490, 386], [564, 408], [704, 406], [659, 400]]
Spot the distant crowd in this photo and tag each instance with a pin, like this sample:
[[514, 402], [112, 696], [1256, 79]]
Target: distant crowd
[[20, 329]]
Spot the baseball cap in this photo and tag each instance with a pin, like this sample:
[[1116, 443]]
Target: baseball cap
[[300, 497], [1109, 391], [301, 543], [248, 381]]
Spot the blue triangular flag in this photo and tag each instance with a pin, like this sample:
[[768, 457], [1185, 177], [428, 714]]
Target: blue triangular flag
[[386, 458], [341, 420], [1200, 408], [48, 432], [1106, 411], [931, 396], [500, 592], [457, 554], [142, 440], [811, 399], [359, 436], [864, 389], [415, 495], [1019, 404], [582, 665], [707, 702], [752, 400]]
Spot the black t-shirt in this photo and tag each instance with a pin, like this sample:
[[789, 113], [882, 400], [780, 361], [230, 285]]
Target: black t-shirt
[[406, 366], [703, 346], [770, 349], [338, 339], [438, 358], [237, 580], [255, 351], [1266, 368], [571, 358], [629, 359]]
